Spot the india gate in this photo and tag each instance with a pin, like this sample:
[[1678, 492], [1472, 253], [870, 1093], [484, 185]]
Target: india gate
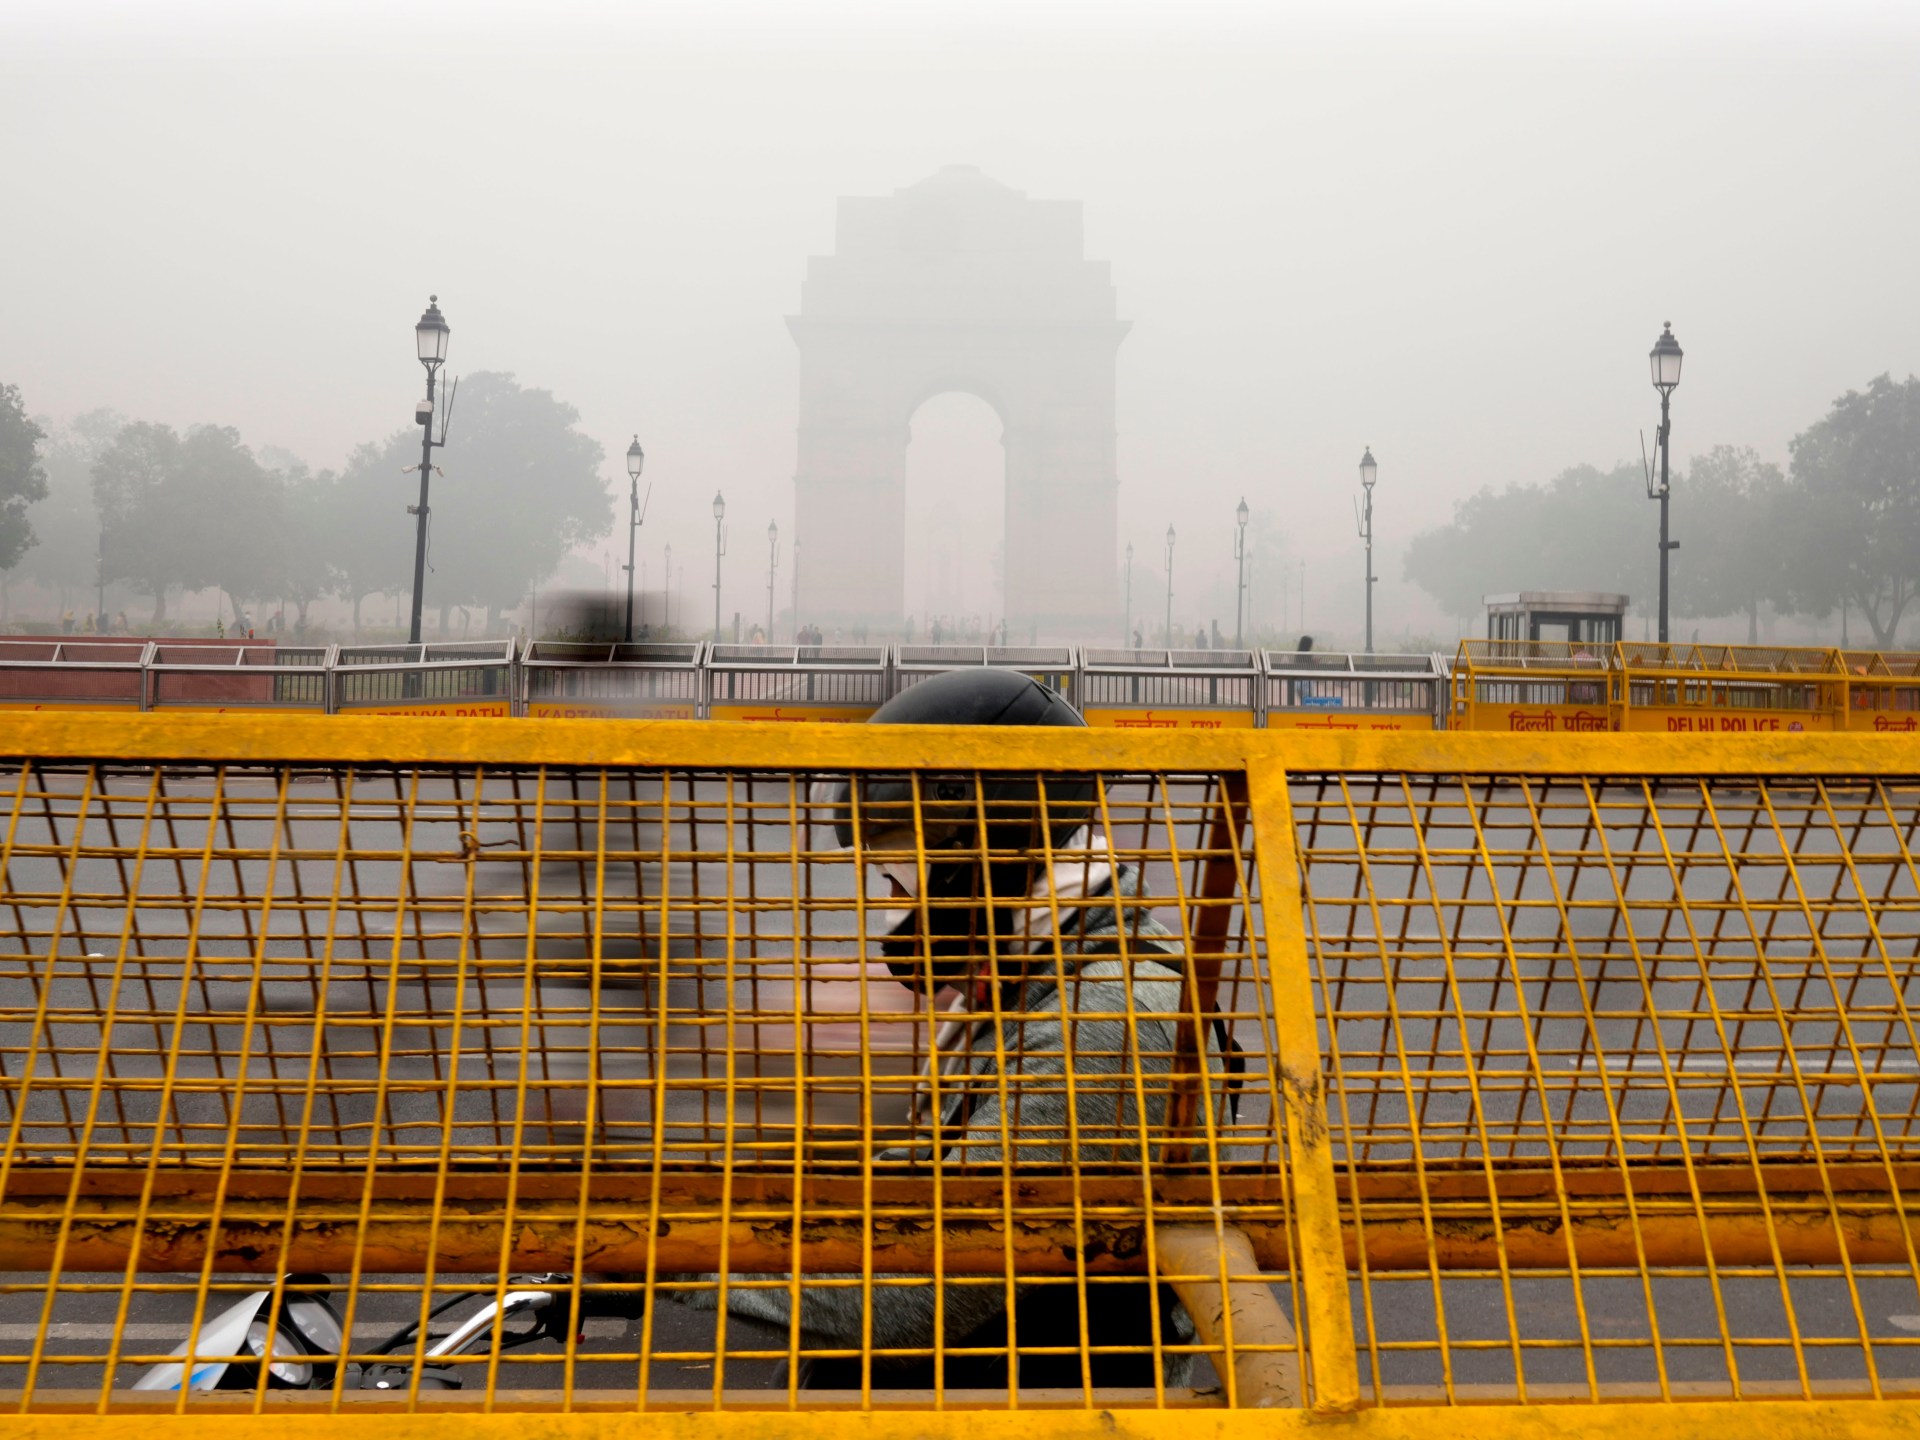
[[958, 283]]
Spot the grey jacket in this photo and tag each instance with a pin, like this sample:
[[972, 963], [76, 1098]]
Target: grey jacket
[[1091, 999]]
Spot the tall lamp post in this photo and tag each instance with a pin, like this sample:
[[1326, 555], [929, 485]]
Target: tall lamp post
[[1169, 587], [636, 514], [430, 343], [719, 549], [773, 566], [1369, 472], [1664, 360], [666, 594], [1240, 588], [1126, 624]]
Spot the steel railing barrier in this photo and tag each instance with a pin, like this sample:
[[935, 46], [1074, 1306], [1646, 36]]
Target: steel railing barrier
[[823, 683], [1170, 689], [1533, 687], [471, 678], [1055, 666], [246, 676], [1544, 1086], [1883, 691], [1332, 690], [646, 680], [58, 673], [1728, 689]]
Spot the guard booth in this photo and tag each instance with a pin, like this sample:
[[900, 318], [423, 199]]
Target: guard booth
[[1333, 690], [466, 678], [1054, 666], [63, 674], [841, 684], [247, 676], [1883, 691], [646, 680], [1171, 689], [1729, 689], [1591, 618]]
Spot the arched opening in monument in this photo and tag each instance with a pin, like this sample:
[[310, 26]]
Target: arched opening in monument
[[956, 509]]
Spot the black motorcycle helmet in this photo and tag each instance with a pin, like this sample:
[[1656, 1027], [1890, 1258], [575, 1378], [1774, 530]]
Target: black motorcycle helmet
[[985, 834]]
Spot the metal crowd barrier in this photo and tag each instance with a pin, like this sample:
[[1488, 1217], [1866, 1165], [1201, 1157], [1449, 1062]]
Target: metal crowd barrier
[[784, 683], [1540, 687], [67, 674], [1313, 690], [1574, 1095], [468, 678], [1883, 691], [1510, 686], [647, 680], [1729, 689], [1171, 689], [1055, 666], [237, 677]]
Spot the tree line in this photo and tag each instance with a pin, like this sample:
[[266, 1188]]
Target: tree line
[[1841, 526], [161, 511]]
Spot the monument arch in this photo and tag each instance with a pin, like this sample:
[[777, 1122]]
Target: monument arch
[[958, 283]]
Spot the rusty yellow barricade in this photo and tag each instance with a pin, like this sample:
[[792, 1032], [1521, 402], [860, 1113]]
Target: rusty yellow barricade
[[1883, 692], [1729, 689], [1534, 687], [1571, 1082]]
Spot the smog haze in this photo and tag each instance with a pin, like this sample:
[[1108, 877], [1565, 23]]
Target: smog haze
[[1449, 234]]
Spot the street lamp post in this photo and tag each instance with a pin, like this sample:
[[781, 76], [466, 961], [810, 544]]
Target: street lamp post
[[1126, 628], [719, 549], [1664, 360], [636, 515], [773, 566], [1169, 587], [1240, 588], [666, 594], [430, 343], [1369, 472]]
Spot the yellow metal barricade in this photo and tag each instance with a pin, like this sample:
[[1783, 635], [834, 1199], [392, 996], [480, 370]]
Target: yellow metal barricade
[[1572, 1079], [1883, 691], [1170, 689], [1729, 689], [1534, 687]]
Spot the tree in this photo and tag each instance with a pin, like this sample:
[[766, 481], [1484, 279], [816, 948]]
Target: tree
[[1584, 530], [22, 480], [521, 488], [66, 525], [189, 512], [1727, 511], [144, 533], [1851, 513], [362, 526]]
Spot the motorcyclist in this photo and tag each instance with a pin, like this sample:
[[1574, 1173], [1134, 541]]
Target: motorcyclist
[[1002, 904]]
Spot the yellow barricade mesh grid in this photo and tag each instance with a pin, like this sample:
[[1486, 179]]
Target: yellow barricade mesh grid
[[413, 1034], [1624, 1084], [1463, 1086]]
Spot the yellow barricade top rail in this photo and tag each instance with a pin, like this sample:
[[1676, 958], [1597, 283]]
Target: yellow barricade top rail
[[1369, 1072], [1637, 655]]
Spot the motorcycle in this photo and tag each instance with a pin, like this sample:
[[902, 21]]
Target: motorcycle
[[300, 1349]]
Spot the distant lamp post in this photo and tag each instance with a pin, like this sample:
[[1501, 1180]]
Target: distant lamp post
[[430, 343], [773, 567], [666, 596], [1126, 627], [1369, 472], [1169, 587], [1240, 589], [636, 516], [1664, 361], [719, 549]]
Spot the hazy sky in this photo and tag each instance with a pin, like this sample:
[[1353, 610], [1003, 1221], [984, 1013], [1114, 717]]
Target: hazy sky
[[1448, 232]]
